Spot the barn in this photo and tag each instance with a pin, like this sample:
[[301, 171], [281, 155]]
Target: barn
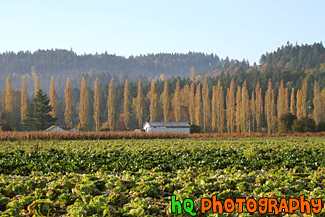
[[54, 128], [176, 127]]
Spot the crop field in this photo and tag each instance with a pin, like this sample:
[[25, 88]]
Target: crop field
[[127, 177]]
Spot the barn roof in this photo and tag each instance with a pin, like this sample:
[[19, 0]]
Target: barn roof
[[51, 128], [168, 124]]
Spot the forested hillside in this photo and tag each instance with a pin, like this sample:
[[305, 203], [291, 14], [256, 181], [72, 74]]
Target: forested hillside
[[62, 64], [218, 95]]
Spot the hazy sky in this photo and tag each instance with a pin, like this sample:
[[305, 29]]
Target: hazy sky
[[238, 29]]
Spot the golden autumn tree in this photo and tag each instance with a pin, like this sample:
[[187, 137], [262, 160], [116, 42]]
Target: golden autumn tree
[[252, 110], [23, 100], [110, 106], [244, 115], [153, 98], [37, 87], [316, 102], [214, 109], [177, 102], [191, 108], [53, 97], [139, 104], [282, 102], [185, 102], [259, 106], [238, 110], [206, 106], [96, 104], [292, 102], [269, 107], [304, 90], [68, 104], [231, 107], [220, 107], [9, 102], [165, 101], [126, 105], [83, 105], [198, 106], [300, 109]]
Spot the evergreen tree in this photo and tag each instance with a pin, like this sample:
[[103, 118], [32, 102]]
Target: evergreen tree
[[38, 116]]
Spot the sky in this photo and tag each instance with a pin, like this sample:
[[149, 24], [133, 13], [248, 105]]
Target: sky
[[237, 29]]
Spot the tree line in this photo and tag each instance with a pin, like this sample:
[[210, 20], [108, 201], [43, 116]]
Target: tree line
[[214, 108]]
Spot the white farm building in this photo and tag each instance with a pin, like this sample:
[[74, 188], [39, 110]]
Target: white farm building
[[176, 127]]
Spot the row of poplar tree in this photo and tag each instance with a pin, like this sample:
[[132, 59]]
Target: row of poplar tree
[[214, 110]]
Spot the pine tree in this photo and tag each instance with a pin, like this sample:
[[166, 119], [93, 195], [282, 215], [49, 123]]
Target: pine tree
[[300, 112], [23, 100], [177, 101], [153, 98], [206, 106], [53, 97], [220, 107], [37, 87], [165, 101], [238, 110], [316, 103], [96, 104], [191, 108], [259, 106], [110, 106], [198, 106], [126, 105], [139, 105], [38, 116], [231, 109], [9, 102], [292, 102], [68, 104], [83, 105]]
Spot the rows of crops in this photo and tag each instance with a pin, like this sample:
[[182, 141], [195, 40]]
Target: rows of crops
[[138, 177]]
